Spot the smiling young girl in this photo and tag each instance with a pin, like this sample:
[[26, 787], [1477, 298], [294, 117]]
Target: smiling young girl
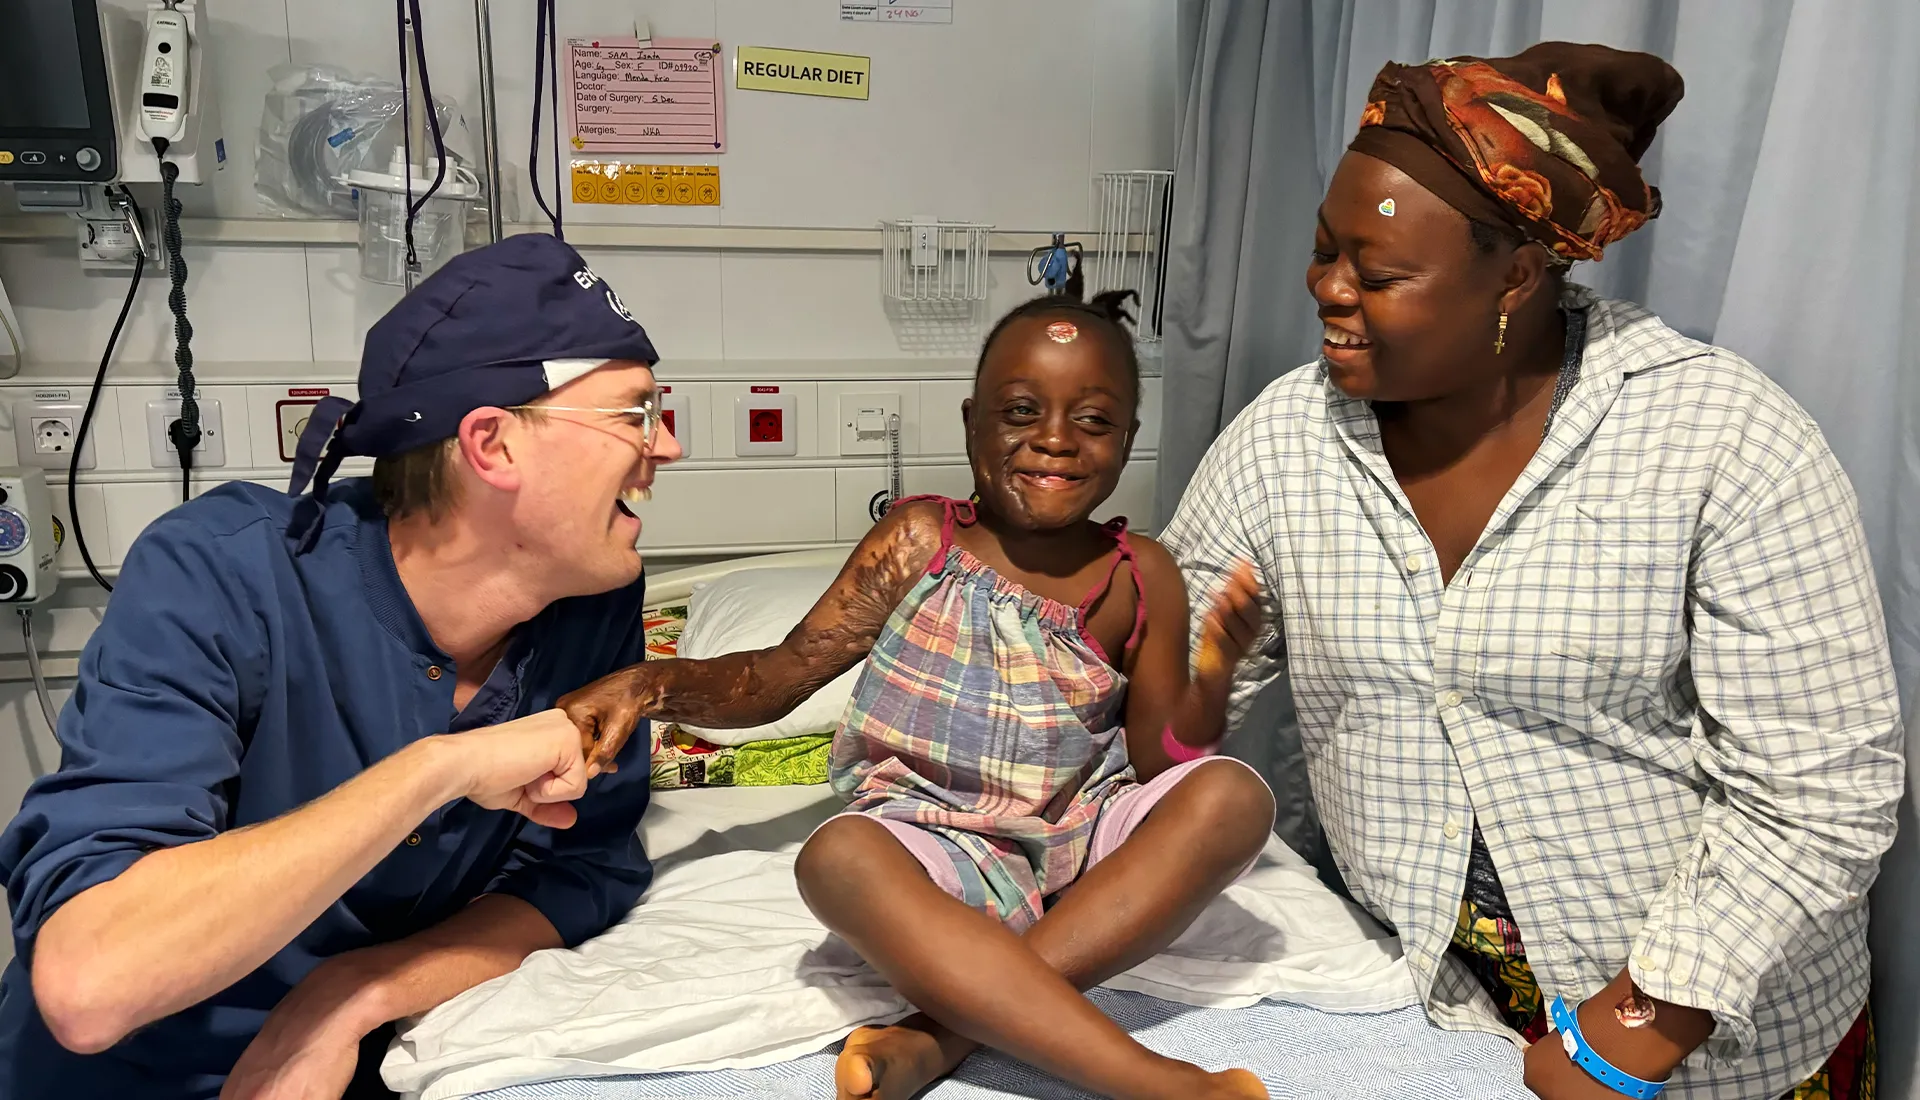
[[1033, 807]]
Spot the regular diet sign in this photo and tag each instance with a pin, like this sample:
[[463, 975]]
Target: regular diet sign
[[801, 72]]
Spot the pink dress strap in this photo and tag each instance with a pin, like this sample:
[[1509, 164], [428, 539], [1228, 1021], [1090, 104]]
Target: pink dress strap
[[1117, 527]]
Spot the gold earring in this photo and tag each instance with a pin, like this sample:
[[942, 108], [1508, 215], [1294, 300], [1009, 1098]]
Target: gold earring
[[1500, 340]]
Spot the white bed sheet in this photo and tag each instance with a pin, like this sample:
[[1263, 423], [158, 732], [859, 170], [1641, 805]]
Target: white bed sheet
[[722, 966]]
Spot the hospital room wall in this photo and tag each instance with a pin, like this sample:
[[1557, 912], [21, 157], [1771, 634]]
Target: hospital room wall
[[1003, 117]]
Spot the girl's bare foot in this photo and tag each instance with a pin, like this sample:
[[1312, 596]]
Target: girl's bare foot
[[895, 1063]]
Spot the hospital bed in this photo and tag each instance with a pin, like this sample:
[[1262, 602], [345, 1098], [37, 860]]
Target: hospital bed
[[721, 983]]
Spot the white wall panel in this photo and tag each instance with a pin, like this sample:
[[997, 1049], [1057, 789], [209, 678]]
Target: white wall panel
[[739, 508]]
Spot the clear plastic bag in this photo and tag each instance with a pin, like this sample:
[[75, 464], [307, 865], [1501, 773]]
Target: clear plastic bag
[[320, 123]]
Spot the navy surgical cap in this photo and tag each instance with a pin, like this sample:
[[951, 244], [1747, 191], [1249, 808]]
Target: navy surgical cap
[[498, 326]]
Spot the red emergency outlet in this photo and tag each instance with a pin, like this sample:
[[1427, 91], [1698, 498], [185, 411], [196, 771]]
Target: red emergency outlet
[[766, 426], [666, 418]]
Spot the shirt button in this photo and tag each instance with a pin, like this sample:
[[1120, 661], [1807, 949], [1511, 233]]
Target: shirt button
[[433, 672], [413, 841], [1413, 563], [1648, 964], [1452, 829], [1450, 699]]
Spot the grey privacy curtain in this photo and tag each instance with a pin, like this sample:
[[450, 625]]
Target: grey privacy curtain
[[1790, 233]]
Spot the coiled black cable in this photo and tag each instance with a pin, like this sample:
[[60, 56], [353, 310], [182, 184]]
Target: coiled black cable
[[184, 433]]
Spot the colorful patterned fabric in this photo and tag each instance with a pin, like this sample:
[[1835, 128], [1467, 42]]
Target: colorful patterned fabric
[[1854, 1070], [1491, 948], [989, 717], [1547, 142], [664, 626], [683, 760]]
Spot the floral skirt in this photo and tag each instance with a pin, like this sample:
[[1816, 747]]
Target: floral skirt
[[1490, 947]]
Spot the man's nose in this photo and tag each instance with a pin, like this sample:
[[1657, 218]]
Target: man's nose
[[665, 447]]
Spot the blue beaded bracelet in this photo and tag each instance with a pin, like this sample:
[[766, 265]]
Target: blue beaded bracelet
[[1563, 1021]]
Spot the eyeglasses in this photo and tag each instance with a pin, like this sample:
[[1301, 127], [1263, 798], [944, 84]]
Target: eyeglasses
[[646, 415]]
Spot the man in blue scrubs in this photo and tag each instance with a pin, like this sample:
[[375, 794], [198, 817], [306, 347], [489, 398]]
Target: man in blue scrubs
[[312, 778]]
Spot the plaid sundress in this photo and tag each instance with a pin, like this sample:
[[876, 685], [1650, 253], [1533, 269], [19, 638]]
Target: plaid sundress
[[989, 717]]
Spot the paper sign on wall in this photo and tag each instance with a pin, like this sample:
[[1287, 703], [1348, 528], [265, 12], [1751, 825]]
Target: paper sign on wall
[[897, 11], [839, 75], [615, 184], [658, 96]]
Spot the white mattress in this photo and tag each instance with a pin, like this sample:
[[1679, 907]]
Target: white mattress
[[723, 967]]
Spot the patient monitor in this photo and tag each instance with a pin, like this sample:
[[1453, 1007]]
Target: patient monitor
[[85, 87]]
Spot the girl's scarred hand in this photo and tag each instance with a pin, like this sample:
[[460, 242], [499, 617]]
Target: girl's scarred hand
[[606, 712], [1232, 624]]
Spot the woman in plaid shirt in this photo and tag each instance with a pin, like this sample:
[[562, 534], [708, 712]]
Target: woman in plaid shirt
[[1592, 677]]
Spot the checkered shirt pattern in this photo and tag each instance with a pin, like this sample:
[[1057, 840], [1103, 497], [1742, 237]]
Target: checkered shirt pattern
[[1660, 683]]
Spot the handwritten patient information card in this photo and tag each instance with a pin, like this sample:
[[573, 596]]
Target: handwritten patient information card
[[897, 11], [662, 95]]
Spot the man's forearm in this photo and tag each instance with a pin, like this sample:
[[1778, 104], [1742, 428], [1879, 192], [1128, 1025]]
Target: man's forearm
[[141, 947], [392, 981]]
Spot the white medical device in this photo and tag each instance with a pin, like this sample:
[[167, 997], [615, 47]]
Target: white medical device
[[30, 536], [165, 76], [85, 88]]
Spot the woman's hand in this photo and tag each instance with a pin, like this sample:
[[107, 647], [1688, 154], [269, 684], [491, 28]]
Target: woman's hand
[[606, 711], [1231, 625], [1551, 1075], [1651, 1050]]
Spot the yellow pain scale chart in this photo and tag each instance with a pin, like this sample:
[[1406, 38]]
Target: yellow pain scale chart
[[611, 183]]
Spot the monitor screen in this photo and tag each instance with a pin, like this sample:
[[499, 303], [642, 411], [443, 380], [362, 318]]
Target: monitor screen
[[42, 86]]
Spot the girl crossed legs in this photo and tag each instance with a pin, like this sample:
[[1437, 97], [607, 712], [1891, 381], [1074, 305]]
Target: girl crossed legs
[[1204, 823]]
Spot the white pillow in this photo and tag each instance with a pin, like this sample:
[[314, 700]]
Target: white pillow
[[754, 609]]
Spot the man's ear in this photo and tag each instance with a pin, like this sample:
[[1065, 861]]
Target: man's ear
[[486, 440]]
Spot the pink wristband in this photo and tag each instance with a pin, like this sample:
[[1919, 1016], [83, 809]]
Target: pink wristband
[[1180, 751]]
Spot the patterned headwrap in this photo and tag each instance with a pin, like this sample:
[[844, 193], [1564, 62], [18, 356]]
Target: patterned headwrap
[[1547, 142]]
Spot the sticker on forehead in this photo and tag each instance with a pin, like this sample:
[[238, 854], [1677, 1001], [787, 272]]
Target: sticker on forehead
[[1063, 332], [1386, 207]]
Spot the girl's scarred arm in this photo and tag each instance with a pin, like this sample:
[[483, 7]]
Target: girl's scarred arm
[[1162, 694], [748, 689]]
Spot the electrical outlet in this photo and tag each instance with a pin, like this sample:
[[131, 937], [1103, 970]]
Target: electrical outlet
[[45, 433], [211, 451], [766, 425], [766, 422], [52, 435]]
